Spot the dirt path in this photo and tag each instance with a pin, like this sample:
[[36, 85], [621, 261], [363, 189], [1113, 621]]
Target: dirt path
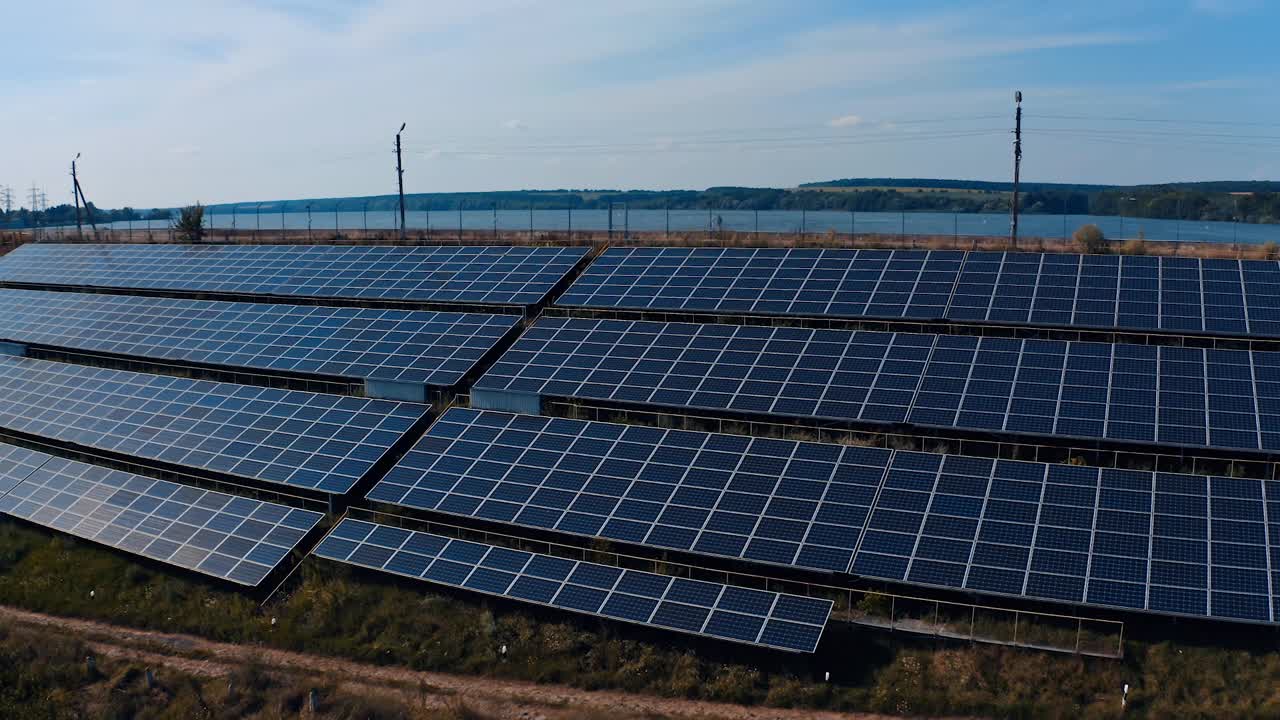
[[427, 690]]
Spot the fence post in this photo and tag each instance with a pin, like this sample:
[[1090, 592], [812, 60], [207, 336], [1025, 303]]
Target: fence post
[[570, 224], [495, 222]]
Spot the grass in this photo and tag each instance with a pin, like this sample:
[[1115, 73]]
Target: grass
[[47, 677], [334, 612]]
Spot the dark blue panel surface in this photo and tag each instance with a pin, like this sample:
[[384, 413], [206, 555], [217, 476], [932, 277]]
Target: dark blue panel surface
[[233, 538], [429, 348], [311, 440], [701, 608], [438, 274]]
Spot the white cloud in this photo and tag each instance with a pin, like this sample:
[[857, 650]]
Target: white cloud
[[845, 121], [515, 125]]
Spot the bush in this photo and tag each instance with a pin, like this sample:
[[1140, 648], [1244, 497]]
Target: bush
[[1090, 239], [190, 224]]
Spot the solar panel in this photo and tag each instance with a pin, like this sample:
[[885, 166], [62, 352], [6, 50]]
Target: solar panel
[[16, 463], [1131, 292], [228, 537], [754, 617], [846, 283], [1157, 542], [1186, 397], [440, 274], [769, 501], [301, 439], [429, 348], [866, 376], [1125, 292], [1183, 397]]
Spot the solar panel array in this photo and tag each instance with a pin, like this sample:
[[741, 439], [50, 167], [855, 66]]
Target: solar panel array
[[228, 537], [786, 371], [1186, 397], [431, 348], [845, 283], [1165, 395], [1132, 292], [783, 622], [300, 439], [1161, 542], [1180, 544], [1127, 292], [438, 274], [762, 500]]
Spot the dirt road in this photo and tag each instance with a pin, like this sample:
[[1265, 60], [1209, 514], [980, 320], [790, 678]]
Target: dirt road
[[426, 690]]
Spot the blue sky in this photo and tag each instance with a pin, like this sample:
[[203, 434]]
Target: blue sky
[[172, 102]]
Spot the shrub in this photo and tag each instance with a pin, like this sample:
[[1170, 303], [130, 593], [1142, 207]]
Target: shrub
[[1089, 239], [190, 224]]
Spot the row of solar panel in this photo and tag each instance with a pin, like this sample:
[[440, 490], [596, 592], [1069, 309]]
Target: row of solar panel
[[301, 439], [438, 274], [1159, 542], [429, 348], [229, 537], [1185, 397], [1126, 292], [754, 617]]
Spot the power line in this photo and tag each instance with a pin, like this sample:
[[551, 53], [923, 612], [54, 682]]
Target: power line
[[1167, 121]]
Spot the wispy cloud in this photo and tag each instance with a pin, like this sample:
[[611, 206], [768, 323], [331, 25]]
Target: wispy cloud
[[845, 121]]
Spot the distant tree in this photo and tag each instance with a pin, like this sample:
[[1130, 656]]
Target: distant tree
[[158, 214], [1089, 239], [190, 224]]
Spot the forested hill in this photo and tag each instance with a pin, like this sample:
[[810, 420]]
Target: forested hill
[[1224, 186], [938, 184]]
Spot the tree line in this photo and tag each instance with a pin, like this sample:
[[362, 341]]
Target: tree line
[[1203, 202]]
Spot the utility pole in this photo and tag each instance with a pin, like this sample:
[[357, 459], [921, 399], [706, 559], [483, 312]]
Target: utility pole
[[6, 193], [400, 179], [78, 192], [75, 195], [1017, 163]]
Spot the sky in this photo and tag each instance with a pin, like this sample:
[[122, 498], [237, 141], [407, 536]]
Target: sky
[[175, 102]]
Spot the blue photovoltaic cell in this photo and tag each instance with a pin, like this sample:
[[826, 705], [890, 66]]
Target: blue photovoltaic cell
[[229, 537], [783, 622], [302, 439], [16, 463], [431, 348], [1173, 396], [912, 284], [1157, 542], [439, 274], [762, 500], [1120, 292]]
